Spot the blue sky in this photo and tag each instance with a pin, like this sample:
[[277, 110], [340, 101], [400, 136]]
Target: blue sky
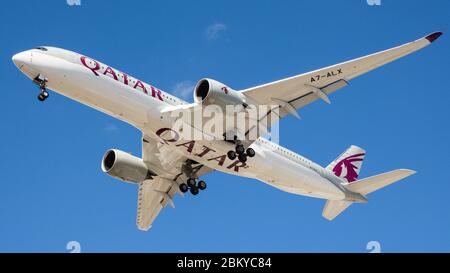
[[52, 188]]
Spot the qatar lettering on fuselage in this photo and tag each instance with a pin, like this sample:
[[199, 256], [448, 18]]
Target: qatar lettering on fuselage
[[98, 69], [101, 69], [171, 137]]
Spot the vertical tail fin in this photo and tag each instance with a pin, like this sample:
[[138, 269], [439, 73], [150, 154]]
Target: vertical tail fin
[[348, 164]]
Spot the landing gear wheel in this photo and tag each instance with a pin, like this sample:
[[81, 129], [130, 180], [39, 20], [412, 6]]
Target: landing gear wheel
[[191, 182], [41, 81], [44, 94], [194, 190], [231, 155], [250, 152], [202, 185], [183, 188], [240, 149], [242, 158]]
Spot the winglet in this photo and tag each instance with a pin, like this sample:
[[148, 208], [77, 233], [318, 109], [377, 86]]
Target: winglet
[[433, 36]]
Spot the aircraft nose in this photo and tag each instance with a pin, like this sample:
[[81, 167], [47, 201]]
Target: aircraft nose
[[21, 58]]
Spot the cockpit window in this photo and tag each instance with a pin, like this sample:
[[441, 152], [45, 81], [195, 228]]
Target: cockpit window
[[41, 48]]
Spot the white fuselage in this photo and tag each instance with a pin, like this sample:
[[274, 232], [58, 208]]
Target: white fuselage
[[117, 94]]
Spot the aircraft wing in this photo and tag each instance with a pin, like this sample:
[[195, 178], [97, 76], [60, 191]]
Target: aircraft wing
[[153, 195], [296, 92], [156, 193]]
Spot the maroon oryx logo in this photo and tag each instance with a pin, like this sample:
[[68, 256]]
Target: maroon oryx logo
[[225, 90], [350, 173]]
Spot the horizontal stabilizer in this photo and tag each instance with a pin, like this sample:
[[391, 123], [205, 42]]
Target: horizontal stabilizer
[[373, 183], [364, 186], [333, 208]]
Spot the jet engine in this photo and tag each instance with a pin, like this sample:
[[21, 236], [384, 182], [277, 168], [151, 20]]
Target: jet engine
[[211, 92], [125, 166]]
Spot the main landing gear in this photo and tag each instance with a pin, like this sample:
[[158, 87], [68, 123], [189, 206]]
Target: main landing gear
[[240, 152], [41, 81], [193, 186]]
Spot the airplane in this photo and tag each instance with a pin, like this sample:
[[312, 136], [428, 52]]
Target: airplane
[[171, 164]]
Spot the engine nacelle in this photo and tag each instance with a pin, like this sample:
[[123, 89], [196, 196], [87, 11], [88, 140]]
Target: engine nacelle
[[210, 92], [125, 166]]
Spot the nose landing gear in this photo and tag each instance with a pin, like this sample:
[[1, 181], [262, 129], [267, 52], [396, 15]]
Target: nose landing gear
[[41, 81], [43, 96]]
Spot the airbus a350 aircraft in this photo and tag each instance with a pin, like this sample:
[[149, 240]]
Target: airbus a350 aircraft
[[171, 164]]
